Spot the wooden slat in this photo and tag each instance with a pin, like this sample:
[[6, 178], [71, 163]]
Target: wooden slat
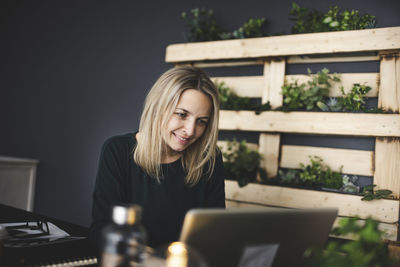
[[219, 64], [387, 164], [269, 148], [387, 150], [347, 81], [332, 58], [390, 229], [389, 91], [384, 210], [274, 78], [288, 45], [245, 86], [356, 162], [312, 123], [252, 86]]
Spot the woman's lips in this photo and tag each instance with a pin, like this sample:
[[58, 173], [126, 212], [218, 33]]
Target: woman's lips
[[181, 140]]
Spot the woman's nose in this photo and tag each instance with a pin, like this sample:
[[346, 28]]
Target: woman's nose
[[190, 127]]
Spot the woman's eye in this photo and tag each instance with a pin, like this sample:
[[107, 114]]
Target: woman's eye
[[181, 115], [202, 122]]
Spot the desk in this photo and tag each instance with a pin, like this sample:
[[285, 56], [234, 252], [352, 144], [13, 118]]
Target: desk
[[50, 252]]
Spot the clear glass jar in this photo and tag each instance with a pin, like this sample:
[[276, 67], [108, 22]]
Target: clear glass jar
[[124, 240]]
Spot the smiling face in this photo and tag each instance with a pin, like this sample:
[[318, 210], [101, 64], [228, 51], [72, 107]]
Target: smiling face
[[187, 123]]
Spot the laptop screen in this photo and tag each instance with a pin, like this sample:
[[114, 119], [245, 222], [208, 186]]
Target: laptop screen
[[256, 236]]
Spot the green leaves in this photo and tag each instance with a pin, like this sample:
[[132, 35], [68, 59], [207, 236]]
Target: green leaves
[[319, 174], [355, 99], [241, 163], [231, 101], [314, 174], [308, 96], [311, 20], [367, 248], [370, 194], [201, 26]]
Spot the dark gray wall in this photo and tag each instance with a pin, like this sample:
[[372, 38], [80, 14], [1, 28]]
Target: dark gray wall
[[74, 72]]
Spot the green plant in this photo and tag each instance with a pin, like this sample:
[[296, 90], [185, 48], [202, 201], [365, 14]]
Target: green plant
[[201, 25], [369, 193], [319, 174], [311, 20], [231, 101], [355, 99], [252, 28], [289, 177], [306, 20], [349, 184], [368, 248], [241, 163], [307, 95]]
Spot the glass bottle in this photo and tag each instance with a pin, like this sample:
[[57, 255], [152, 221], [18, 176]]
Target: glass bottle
[[124, 240]]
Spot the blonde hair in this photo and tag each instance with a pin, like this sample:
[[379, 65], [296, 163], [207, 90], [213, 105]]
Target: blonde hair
[[159, 105]]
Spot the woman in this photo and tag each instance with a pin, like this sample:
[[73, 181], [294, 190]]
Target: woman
[[171, 164]]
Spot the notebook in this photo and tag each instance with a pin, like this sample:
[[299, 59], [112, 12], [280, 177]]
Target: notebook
[[256, 236]]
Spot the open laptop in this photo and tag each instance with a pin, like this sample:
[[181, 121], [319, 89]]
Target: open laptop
[[256, 236]]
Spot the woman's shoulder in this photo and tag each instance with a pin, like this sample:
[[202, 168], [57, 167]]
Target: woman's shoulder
[[120, 141]]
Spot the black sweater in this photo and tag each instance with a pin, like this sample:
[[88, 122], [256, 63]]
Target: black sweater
[[121, 180]]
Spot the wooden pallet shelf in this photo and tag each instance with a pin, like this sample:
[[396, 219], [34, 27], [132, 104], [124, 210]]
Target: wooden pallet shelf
[[274, 54], [330, 123], [288, 45]]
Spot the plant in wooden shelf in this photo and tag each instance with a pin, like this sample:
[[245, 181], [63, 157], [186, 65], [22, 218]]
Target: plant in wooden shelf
[[305, 96], [316, 174], [367, 249], [314, 95], [369, 193], [311, 20], [229, 100], [242, 164]]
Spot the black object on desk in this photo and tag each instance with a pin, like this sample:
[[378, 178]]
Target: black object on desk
[[74, 250]]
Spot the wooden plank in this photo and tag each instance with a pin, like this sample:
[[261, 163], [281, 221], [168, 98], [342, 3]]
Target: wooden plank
[[352, 124], [219, 64], [347, 81], [252, 86], [390, 229], [356, 162], [287, 45], [387, 150], [387, 164], [384, 210], [269, 148], [274, 78], [245, 86], [332, 58], [389, 91]]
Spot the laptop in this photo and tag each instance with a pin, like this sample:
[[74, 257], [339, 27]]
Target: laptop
[[256, 236]]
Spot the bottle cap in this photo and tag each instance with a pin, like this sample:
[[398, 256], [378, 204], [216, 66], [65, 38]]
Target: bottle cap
[[129, 214]]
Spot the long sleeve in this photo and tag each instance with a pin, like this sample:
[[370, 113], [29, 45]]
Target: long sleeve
[[107, 191], [215, 186]]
